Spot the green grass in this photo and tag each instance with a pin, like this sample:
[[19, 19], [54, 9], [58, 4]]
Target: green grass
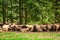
[[30, 36]]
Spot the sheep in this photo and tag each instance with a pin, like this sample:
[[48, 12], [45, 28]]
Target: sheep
[[38, 28], [16, 27], [30, 27], [24, 29], [57, 26], [23, 26], [13, 27], [5, 27], [49, 27], [43, 27]]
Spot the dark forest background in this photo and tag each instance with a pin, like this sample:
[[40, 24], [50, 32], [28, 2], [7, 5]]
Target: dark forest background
[[30, 11]]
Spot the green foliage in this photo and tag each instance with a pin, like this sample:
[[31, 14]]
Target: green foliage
[[34, 11]]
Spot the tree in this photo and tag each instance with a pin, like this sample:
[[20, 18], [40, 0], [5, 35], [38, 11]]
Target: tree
[[20, 11], [26, 15], [6, 11], [31, 11], [11, 12], [3, 11], [57, 15]]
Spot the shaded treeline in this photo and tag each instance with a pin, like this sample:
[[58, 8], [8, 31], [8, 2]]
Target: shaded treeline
[[30, 11]]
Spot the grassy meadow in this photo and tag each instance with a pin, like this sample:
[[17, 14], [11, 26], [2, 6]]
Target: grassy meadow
[[29, 35]]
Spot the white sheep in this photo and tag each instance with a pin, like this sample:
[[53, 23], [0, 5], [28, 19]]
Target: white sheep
[[5, 27]]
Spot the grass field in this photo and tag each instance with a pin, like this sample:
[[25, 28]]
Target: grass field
[[30, 36]]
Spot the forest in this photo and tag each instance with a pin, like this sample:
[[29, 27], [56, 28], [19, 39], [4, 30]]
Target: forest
[[30, 11]]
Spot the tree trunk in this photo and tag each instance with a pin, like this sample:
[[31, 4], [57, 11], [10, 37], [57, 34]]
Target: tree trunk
[[26, 12], [7, 11], [3, 11], [11, 18], [20, 11]]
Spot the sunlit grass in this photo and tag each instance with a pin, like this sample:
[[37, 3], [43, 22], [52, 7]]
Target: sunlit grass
[[30, 36]]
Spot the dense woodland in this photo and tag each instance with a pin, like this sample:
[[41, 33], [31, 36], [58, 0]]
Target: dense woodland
[[30, 11]]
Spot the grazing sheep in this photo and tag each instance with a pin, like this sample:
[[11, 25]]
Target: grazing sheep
[[57, 26], [49, 27], [44, 27], [24, 29], [34, 29], [23, 26], [38, 28], [18, 27], [5, 27], [13, 27], [30, 27]]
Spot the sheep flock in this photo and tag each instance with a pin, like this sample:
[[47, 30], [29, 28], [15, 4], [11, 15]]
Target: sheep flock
[[30, 28]]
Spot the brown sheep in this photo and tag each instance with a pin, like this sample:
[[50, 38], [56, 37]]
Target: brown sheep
[[44, 27], [38, 28], [30, 27], [13, 27], [57, 26], [24, 28], [16, 27], [49, 27]]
